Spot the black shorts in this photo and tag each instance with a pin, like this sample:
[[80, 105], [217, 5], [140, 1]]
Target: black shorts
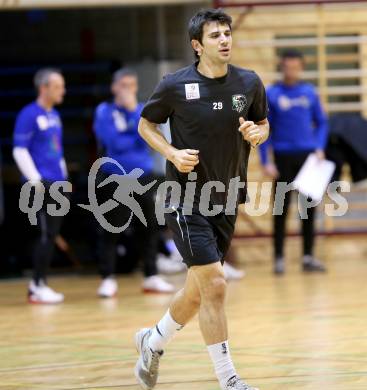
[[201, 240]]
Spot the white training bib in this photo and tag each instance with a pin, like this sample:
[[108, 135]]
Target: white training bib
[[192, 91]]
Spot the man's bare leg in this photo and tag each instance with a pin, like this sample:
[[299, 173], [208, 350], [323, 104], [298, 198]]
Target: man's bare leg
[[151, 342], [185, 305], [212, 286], [213, 322], [204, 292]]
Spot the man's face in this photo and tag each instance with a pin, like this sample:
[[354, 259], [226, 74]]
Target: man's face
[[125, 86], [216, 43], [292, 69], [54, 90]]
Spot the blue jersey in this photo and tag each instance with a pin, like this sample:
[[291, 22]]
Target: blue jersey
[[297, 120], [116, 130], [40, 131]]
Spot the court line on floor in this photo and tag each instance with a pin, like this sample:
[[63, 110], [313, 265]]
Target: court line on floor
[[301, 378], [178, 353], [298, 343], [215, 380], [61, 365]]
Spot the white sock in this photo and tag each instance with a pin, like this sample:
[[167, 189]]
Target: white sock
[[163, 332], [223, 366]]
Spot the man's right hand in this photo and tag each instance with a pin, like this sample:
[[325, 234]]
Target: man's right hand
[[128, 100], [185, 160], [271, 170]]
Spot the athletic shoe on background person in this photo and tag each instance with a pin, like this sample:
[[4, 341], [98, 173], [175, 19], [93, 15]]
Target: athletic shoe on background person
[[108, 288], [232, 273], [170, 264], [155, 284], [310, 264], [279, 266], [43, 294], [147, 366]]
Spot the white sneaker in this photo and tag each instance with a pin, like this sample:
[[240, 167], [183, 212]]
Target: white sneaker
[[147, 366], [155, 284], [232, 273], [170, 265], [43, 294], [235, 383], [108, 288]]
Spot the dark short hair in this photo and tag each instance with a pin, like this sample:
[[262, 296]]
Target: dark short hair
[[204, 16], [291, 53], [42, 76], [123, 72]]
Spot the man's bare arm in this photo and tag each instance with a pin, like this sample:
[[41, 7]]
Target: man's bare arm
[[184, 160], [254, 133], [264, 130]]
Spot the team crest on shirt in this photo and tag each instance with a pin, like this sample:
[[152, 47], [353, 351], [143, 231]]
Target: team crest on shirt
[[192, 91], [239, 102]]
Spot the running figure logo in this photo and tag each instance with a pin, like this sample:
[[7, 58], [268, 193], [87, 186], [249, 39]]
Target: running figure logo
[[128, 184]]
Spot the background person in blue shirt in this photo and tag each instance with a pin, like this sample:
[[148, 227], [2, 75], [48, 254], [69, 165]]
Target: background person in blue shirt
[[298, 127], [38, 153], [116, 129]]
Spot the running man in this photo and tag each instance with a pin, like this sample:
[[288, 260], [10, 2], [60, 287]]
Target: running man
[[38, 153], [217, 112]]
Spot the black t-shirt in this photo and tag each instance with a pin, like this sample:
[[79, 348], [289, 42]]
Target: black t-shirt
[[204, 115]]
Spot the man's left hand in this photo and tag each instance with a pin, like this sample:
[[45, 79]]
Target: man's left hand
[[251, 132]]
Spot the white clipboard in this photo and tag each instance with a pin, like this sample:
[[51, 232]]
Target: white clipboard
[[314, 177]]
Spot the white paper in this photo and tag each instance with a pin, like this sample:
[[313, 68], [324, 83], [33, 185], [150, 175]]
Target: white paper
[[314, 176]]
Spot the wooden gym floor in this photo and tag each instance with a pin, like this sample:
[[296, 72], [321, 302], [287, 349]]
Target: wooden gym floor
[[297, 332]]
